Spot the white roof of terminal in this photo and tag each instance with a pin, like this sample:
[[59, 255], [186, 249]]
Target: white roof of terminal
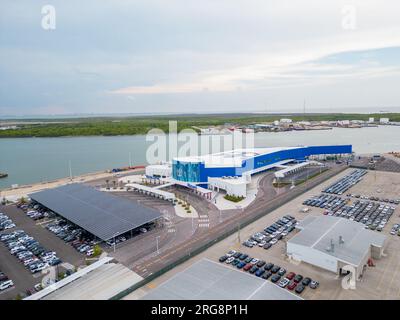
[[317, 233], [231, 158], [210, 280]]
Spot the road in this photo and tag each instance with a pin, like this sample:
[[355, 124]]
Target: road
[[268, 199]]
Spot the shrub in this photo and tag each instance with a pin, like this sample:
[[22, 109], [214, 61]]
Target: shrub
[[97, 250], [233, 198]]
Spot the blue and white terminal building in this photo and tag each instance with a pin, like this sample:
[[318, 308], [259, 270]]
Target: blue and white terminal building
[[232, 170]]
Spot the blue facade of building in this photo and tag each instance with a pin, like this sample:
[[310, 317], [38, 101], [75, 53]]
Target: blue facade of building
[[197, 172]]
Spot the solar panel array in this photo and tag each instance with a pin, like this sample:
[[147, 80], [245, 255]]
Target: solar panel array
[[102, 214]]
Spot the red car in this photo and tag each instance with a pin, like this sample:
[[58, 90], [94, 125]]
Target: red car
[[290, 275], [247, 267], [291, 285]]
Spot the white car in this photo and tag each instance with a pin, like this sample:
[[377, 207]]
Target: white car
[[229, 260], [6, 284], [254, 261], [273, 241], [283, 283], [230, 253]]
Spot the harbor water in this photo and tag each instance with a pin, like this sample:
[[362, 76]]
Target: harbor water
[[31, 160]]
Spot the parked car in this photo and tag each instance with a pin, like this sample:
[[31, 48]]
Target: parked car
[[298, 278], [283, 283], [299, 289], [267, 275], [290, 275], [275, 269], [282, 271], [306, 281], [247, 267], [268, 266], [291, 285], [6, 284]]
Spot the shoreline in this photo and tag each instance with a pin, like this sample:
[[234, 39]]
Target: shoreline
[[24, 190], [198, 133]]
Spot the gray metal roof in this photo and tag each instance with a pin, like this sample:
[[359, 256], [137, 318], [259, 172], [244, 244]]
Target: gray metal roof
[[209, 280], [317, 233], [102, 214]]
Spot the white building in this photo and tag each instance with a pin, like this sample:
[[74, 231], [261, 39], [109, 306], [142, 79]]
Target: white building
[[384, 120], [343, 122], [234, 186], [332, 243], [371, 120], [159, 170], [285, 120]]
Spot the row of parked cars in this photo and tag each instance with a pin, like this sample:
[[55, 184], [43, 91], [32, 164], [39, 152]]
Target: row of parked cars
[[372, 214], [5, 222], [275, 273], [36, 211], [5, 283], [373, 198], [73, 235], [68, 232], [28, 251], [273, 233], [326, 201], [345, 183]]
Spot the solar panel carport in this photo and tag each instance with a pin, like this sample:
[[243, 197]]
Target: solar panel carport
[[102, 214]]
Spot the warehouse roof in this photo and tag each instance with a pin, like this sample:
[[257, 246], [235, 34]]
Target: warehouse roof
[[209, 280], [319, 232], [100, 213], [231, 157]]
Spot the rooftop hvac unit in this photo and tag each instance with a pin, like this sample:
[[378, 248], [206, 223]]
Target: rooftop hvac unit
[[331, 248], [341, 240]]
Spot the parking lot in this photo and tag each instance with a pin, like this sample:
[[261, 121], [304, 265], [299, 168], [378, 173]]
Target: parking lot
[[15, 270], [384, 163], [381, 281]]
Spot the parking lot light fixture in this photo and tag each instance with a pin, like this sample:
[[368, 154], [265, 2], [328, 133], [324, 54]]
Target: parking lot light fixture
[[158, 252]]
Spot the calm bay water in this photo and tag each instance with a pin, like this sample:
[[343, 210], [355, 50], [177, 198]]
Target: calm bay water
[[30, 160]]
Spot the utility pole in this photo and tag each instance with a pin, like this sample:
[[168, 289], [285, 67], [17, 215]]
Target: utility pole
[[158, 252]]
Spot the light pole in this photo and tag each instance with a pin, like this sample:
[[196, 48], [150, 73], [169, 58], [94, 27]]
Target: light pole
[[158, 252]]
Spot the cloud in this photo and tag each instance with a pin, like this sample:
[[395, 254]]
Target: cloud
[[217, 55]]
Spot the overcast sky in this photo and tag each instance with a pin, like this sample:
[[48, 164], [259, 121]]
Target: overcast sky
[[155, 56]]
